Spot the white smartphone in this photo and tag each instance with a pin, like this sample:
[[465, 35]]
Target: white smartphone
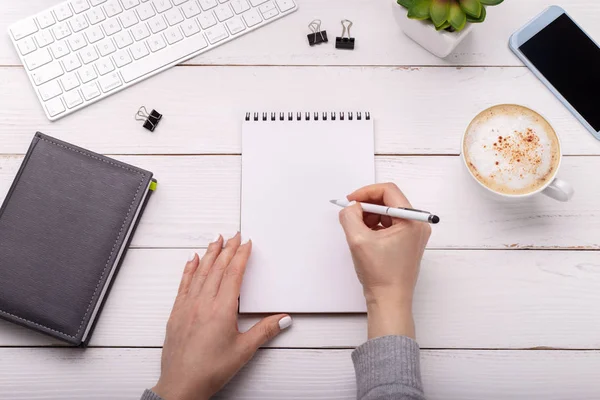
[[566, 60]]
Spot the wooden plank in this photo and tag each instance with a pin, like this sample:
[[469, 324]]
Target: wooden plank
[[299, 374], [464, 299], [205, 116], [379, 38], [199, 196]]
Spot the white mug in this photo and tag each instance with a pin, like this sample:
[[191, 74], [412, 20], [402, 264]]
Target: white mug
[[554, 188]]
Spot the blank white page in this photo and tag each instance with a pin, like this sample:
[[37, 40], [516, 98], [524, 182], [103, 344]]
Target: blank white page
[[290, 170]]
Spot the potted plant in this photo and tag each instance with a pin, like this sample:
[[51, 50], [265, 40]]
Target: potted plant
[[440, 25]]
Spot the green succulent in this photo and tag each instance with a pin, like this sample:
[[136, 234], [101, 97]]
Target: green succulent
[[451, 15]]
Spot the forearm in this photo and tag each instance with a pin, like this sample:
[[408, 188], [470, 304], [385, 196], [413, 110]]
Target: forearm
[[388, 367]]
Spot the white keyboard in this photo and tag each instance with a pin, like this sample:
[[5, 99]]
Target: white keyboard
[[81, 51]]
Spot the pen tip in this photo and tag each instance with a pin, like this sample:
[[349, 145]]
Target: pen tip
[[434, 219], [333, 201]]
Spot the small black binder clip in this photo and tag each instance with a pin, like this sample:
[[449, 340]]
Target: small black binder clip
[[150, 120], [317, 36], [343, 42]]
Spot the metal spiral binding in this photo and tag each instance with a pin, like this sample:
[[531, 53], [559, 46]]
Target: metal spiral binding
[[308, 116]]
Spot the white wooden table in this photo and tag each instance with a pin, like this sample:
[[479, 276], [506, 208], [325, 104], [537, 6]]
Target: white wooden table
[[508, 301]]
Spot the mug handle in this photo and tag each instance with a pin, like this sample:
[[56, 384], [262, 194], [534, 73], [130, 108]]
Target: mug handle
[[559, 190]]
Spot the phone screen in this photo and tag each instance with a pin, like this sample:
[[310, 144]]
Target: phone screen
[[570, 61]]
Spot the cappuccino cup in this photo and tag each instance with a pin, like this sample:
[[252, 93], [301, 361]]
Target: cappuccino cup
[[512, 151]]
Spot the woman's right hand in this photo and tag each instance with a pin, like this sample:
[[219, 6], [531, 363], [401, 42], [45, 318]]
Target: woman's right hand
[[387, 254]]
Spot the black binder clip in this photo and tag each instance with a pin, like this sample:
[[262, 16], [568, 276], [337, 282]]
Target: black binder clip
[[344, 42], [317, 36], [150, 120]]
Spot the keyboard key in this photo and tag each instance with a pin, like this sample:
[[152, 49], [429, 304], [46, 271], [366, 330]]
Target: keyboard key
[[78, 23], [50, 90], [145, 11], [104, 66], [97, 2], [268, 10], [46, 19], [88, 55], [47, 73], [207, 20], [60, 49], [43, 38], [130, 3], [61, 30], [121, 58], [111, 27], [26, 45], [106, 47], [87, 73], [190, 27], [235, 25], [109, 82], [112, 8], [207, 4], [179, 2], [252, 17], [139, 50], [223, 12], [156, 43], [190, 9], [23, 28], [162, 5], [71, 62], [256, 3], [80, 6], [240, 6], [94, 34], [178, 52], [62, 11], [72, 99], [90, 91], [95, 15], [157, 24], [123, 39], [140, 32], [173, 16], [69, 81], [173, 35], [37, 59], [128, 19], [216, 34], [55, 107], [285, 5], [77, 41]]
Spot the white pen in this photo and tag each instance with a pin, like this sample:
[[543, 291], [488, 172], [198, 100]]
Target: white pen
[[395, 212]]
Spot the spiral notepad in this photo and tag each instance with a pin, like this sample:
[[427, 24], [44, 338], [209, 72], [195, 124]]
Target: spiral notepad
[[292, 165]]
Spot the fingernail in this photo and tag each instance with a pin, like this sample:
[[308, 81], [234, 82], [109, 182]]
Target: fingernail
[[285, 322], [351, 203], [191, 256], [245, 241], [217, 238]]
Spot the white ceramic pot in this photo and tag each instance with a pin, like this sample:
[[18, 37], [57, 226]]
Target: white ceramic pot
[[439, 43]]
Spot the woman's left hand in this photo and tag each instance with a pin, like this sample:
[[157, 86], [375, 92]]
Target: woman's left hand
[[203, 347]]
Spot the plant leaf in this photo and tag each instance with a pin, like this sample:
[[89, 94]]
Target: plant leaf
[[419, 9], [439, 11], [471, 7], [406, 3], [446, 25], [481, 17], [491, 2], [457, 16]]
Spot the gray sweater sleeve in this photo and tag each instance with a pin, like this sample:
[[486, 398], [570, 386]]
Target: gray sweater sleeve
[[150, 395], [387, 368]]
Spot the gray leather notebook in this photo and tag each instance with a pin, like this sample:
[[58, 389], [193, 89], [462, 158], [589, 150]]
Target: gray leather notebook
[[65, 225]]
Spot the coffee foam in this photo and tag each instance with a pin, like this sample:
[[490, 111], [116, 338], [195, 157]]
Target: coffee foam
[[511, 149]]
